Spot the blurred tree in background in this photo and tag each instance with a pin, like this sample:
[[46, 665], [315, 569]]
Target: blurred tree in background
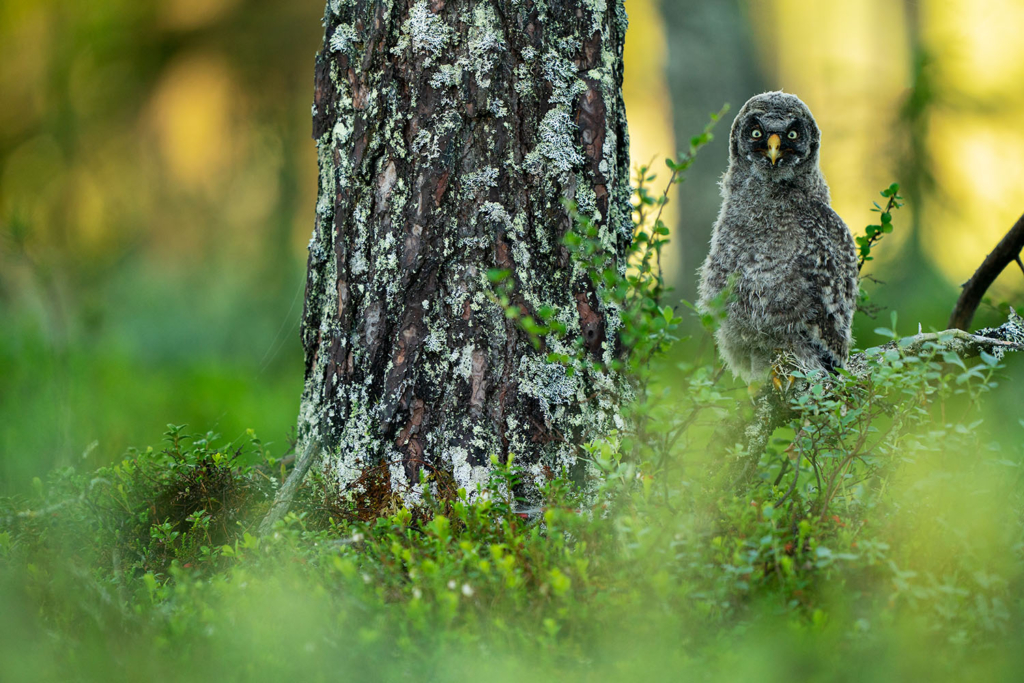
[[712, 59], [156, 190]]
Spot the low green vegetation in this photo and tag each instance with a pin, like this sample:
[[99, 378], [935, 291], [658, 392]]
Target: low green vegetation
[[878, 537], [878, 540]]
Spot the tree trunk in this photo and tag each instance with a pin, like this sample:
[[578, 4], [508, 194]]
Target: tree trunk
[[448, 134]]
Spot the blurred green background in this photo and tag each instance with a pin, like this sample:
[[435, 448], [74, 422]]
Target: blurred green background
[[157, 184]]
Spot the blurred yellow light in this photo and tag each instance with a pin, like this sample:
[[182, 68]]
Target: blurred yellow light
[[191, 14], [648, 102], [91, 211], [190, 111], [26, 43], [978, 161], [979, 45]]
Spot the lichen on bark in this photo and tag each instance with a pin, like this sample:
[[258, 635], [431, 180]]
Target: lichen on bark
[[448, 134]]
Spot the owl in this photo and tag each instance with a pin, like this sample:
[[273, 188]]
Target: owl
[[784, 260]]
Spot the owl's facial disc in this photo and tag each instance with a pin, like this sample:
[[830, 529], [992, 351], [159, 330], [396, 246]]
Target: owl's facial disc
[[776, 143]]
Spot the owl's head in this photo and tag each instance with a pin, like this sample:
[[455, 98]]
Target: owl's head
[[775, 136]]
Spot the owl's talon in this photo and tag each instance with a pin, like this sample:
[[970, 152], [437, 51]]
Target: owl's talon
[[782, 382]]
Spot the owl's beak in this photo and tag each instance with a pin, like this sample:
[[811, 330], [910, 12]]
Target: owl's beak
[[774, 147]]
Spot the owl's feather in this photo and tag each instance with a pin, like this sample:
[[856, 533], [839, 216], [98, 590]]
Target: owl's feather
[[791, 259]]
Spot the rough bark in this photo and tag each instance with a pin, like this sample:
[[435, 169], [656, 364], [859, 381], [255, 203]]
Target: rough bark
[[448, 134]]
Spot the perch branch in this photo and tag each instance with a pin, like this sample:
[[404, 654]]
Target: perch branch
[[1006, 252], [284, 497], [993, 340], [772, 408]]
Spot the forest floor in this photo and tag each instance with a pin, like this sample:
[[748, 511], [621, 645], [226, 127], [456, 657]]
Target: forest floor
[[152, 569]]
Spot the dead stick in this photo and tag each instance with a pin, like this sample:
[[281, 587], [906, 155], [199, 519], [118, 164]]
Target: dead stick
[[284, 497]]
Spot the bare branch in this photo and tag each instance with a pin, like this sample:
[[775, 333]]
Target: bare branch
[[1006, 252]]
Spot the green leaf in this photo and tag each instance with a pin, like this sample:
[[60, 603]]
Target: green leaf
[[989, 359], [496, 275]]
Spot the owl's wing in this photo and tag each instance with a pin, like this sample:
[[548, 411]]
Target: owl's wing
[[830, 270]]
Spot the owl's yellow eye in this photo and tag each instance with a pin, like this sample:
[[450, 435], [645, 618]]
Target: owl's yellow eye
[[756, 133], [793, 135]]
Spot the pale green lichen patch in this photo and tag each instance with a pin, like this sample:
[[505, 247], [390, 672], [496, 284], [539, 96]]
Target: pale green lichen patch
[[336, 6], [485, 43], [557, 151], [550, 384], [446, 76], [472, 478], [496, 213], [425, 32], [344, 39], [465, 361], [479, 182], [497, 107], [565, 82]]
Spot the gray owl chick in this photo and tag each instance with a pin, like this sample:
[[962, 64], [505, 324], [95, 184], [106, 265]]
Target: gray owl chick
[[791, 259]]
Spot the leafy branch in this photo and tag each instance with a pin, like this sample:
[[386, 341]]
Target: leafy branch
[[647, 326], [874, 233]]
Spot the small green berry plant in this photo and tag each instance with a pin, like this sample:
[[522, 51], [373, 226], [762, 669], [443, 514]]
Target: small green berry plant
[[873, 233]]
